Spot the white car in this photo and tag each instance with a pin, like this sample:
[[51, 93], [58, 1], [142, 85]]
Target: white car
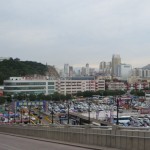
[[33, 118]]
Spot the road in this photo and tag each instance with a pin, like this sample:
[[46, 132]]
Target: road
[[8, 142], [102, 114]]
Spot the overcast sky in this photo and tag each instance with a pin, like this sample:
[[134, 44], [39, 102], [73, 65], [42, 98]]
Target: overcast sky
[[75, 31]]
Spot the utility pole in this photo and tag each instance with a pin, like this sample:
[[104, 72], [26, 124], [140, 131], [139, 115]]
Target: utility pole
[[52, 114], [39, 114], [14, 112], [8, 114], [117, 122], [14, 107], [68, 112], [21, 115], [89, 118], [29, 114]]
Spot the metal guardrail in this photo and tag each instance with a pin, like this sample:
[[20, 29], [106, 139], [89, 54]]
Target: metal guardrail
[[76, 126], [56, 125], [133, 128]]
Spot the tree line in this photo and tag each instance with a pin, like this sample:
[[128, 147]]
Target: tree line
[[61, 97]]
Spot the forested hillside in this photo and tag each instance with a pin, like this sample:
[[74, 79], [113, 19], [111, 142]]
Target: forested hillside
[[15, 67]]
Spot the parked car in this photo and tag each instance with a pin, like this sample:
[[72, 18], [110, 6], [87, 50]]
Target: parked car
[[33, 118], [40, 117]]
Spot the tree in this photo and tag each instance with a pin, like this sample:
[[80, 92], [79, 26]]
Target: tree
[[2, 100], [137, 92]]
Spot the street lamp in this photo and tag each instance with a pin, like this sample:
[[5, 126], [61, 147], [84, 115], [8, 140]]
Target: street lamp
[[89, 106]]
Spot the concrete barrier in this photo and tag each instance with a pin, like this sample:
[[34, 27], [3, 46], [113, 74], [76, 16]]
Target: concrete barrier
[[115, 138]]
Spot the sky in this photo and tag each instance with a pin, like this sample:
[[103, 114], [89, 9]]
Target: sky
[[75, 31]]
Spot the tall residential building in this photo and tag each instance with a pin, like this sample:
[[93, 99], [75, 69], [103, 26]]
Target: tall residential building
[[83, 71], [66, 70], [124, 71], [102, 66], [143, 72], [71, 71], [116, 60], [146, 71], [92, 71], [105, 67], [137, 72], [87, 69]]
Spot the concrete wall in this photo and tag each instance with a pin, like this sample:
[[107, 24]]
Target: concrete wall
[[116, 138]]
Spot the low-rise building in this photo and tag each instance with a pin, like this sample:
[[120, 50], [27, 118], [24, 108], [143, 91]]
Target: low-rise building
[[113, 85], [31, 85]]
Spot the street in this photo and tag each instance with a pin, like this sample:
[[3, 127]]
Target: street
[[8, 142]]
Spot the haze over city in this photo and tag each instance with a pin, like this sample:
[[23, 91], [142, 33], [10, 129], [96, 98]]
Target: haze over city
[[75, 31]]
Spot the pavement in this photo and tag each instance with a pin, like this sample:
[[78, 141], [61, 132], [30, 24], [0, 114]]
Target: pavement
[[92, 147]]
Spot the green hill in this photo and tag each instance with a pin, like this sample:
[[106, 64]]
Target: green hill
[[15, 67]]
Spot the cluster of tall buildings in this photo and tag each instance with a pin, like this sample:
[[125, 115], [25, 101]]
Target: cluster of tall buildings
[[113, 68], [69, 71], [109, 70]]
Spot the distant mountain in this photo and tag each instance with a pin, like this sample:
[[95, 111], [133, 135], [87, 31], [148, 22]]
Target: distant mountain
[[146, 67], [15, 67]]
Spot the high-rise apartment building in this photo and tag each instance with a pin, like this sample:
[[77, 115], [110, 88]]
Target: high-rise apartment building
[[102, 66], [92, 71], [105, 67], [137, 72], [124, 71], [83, 71], [116, 60], [87, 69], [143, 73], [71, 71], [66, 70]]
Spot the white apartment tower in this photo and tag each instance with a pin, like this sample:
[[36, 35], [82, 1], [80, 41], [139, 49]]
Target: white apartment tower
[[83, 71], [71, 71], [116, 60], [87, 69], [137, 72], [105, 67], [66, 70], [124, 71]]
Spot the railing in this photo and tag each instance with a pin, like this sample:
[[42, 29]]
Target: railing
[[115, 136]]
